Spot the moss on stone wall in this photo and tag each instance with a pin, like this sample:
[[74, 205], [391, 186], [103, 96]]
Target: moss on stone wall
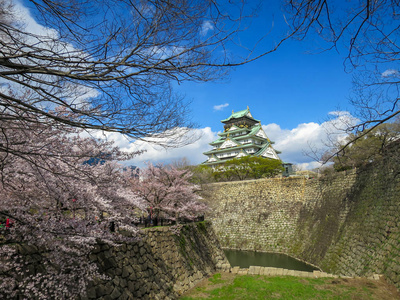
[[348, 224], [160, 266]]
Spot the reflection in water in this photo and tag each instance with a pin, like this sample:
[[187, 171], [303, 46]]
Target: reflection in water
[[245, 259]]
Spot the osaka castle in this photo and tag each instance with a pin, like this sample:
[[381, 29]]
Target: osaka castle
[[242, 136]]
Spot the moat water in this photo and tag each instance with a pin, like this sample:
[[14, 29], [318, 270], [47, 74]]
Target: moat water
[[245, 259]]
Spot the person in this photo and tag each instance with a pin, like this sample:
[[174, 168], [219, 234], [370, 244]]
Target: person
[[142, 220], [112, 226], [155, 221], [148, 220]]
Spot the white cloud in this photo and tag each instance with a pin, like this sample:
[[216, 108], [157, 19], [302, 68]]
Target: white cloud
[[291, 142], [44, 38], [23, 16], [153, 153], [206, 27], [309, 165], [294, 143], [390, 72], [221, 106]]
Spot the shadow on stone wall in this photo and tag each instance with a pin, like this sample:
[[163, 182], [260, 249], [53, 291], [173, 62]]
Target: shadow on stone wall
[[161, 265], [348, 224]]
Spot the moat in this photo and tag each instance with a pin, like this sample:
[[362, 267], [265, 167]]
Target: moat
[[245, 259]]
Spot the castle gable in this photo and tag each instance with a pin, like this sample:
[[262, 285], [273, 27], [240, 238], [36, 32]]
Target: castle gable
[[268, 152], [229, 143]]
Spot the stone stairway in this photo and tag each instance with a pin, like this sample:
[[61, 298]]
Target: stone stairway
[[256, 270]]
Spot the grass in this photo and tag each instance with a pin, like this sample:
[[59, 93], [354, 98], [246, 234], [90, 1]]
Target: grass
[[249, 287], [216, 278]]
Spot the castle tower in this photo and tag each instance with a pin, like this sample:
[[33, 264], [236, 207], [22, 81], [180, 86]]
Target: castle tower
[[243, 135]]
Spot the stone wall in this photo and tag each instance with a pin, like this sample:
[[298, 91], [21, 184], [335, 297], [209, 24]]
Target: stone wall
[[268, 214], [348, 224], [161, 265]]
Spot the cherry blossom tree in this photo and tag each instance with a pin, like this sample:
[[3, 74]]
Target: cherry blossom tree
[[167, 191], [62, 188], [56, 199]]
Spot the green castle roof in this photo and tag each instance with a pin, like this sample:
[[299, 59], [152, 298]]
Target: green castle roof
[[238, 147], [239, 114], [250, 133]]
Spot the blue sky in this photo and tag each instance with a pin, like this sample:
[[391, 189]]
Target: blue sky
[[292, 91], [288, 87], [294, 85]]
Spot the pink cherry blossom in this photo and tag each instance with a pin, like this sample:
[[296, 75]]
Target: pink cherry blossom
[[168, 192]]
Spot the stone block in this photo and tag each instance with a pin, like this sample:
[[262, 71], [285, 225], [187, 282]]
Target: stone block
[[96, 249], [297, 273], [131, 286], [142, 251], [317, 274], [108, 254], [275, 272], [108, 263], [102, 290], [268, 270], [285, 272], [91, 293], [225, 267], [92, 257], [126, 295], [118, 271], [141, 292], [111, 272], [126, 271], [291, 273], [123, 283], [376, 276], [116, 281], [116, 293], [243, 271], [279, 271], [252, 270]]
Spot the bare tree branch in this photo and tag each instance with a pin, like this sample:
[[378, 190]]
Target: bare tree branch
[[367, 31]]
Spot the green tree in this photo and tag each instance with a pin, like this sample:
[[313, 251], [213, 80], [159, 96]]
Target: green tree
[[366, 147], [248, 167], [201, 174]]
